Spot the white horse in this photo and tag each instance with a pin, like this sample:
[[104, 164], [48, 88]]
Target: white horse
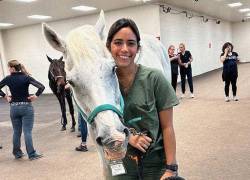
[[91, 73]]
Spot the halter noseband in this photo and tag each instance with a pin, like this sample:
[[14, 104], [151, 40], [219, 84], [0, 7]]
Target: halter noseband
[[55, 77]]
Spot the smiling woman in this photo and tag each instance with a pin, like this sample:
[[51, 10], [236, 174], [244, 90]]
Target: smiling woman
[[147, 95]]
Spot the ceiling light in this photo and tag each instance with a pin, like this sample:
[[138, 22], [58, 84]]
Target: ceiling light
[[26, 1], [248, 14], [83, 8], [244, 10], [39, 17], [235, 4], [5, 24], [142, 0]]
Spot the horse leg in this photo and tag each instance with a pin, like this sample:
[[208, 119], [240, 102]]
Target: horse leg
[[71, 108], [61, 99]]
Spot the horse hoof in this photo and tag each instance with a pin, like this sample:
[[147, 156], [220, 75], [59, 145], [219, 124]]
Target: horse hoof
[[72, 129], [63, 128]]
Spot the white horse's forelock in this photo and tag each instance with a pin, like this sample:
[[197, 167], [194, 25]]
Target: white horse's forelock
[[84, 43]]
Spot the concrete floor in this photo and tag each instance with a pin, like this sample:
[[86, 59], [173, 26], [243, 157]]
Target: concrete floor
[[213, 138]]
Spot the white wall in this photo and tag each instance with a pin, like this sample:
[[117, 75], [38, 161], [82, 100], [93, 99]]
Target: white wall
[[3, 65], [196, 35], [27, 44], [241, 40]]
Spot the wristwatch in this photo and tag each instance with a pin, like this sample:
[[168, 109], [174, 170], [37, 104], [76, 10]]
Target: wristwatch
[[172, 167]]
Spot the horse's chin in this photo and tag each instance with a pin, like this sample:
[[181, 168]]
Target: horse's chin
[[112, 155]]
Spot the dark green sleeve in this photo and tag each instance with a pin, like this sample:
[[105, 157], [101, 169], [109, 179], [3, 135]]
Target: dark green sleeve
[[164, 93]]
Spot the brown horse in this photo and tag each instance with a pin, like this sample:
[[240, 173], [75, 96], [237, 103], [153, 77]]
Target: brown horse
[[57, 82]]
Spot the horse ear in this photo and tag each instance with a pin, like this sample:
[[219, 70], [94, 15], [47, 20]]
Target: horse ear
[[50, 60], [61, 58], [53, 38], [100, 25]]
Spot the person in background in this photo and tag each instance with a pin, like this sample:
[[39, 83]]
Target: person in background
[[229, 58], [174, 60], [21, 109], [82, 128], [84, 133], [185, 70], [149, 95]]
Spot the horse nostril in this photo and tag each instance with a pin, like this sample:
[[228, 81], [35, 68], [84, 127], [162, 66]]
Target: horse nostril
[[99, 141], [126, 131]]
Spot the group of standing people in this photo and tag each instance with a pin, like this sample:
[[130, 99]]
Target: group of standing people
[[183, 60]]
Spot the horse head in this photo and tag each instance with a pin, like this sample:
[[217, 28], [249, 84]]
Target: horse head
[[91, 73], [57, 74]]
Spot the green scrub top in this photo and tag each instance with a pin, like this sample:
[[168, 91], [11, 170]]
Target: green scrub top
[[149, 94]]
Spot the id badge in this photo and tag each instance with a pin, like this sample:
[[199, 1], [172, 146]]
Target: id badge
[[117, 168]]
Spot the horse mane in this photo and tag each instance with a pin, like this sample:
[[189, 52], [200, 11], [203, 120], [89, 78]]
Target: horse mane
[[83, 43]]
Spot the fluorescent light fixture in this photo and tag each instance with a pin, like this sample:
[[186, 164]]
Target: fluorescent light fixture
[[39, 17], [26, 1], [141, 0], [83, 8], [5, 24], [248, 14], [235, 4], [244, 10]]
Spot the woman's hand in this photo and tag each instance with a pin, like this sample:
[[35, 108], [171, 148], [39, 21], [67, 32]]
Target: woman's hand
[[168, 174], [67, 86], [8, 98], [226, 50], [32, 97], [141, 142]]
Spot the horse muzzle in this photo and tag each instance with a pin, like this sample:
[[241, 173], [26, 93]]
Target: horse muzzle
[[114, 146]]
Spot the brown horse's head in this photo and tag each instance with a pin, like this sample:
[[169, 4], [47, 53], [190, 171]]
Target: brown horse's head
[[57, 74]]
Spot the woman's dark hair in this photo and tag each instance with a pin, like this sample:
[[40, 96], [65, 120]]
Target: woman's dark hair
[[226, 45], [118, 25]]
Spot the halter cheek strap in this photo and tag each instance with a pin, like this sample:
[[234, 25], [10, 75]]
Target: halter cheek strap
[[104, 107]]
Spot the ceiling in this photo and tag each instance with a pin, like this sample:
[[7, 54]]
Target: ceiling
[[16, 13]]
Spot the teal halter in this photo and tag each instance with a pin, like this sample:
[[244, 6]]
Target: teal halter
[[104, 107]]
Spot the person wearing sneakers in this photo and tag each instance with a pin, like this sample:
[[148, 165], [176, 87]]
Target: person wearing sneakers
[[21, 109], [230, 69], [174, 65], [185, 70], [82, 130], [84, 133]]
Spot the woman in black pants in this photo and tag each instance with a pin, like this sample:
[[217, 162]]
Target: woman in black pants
[[174, 65], [185, 70], [230, 69]]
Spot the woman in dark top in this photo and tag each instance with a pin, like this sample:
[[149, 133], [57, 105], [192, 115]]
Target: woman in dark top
[[230, 69], [21, 109], [174, 65], [186, 70]]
